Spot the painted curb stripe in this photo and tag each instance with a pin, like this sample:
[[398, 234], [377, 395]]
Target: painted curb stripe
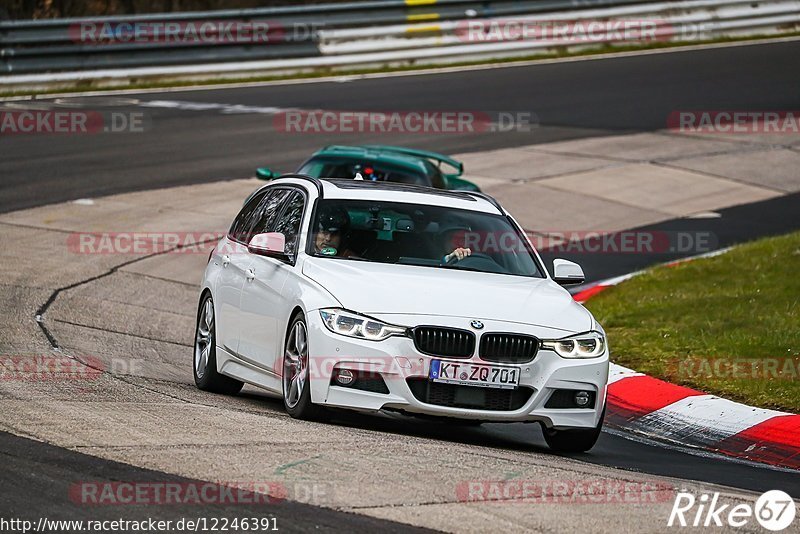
[[775, 441], [636, 396], [593, 289], [702, 420], [617, 372], [677, 414], [586, 294], [656, 409]]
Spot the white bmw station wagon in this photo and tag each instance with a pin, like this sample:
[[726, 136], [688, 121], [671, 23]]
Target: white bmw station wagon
[[369, 296]]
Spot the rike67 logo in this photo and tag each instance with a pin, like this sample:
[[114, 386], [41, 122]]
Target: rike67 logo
[[774, 510]]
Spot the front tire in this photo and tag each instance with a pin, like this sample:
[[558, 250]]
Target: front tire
[[296, 380], [573, 439], [205, 373]]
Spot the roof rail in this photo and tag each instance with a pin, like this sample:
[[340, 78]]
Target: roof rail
[[491, 200], [317, 183], [349, 183]]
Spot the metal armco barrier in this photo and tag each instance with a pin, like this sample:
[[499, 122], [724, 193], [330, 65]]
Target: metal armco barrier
[[328, 36]]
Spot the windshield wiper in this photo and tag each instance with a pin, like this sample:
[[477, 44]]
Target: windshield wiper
[[455, 267], [352, 258]]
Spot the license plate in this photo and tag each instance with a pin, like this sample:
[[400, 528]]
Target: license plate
[[470, 374]]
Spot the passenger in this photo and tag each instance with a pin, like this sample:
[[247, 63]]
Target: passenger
[[332, 222]]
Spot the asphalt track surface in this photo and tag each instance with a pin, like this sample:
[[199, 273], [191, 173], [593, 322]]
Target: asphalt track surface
[[734, 225], [37, 484], [572, 100]]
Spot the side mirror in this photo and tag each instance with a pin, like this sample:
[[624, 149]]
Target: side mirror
[[567, 272], [268, 244], [265, 173]]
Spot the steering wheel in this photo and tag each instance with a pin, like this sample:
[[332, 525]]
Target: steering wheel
[[477, 255], [480, 261]]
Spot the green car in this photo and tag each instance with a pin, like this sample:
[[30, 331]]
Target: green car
[[383, 164]]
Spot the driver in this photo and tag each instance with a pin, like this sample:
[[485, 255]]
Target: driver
[[457, 255], [455, 236], [331, 223]]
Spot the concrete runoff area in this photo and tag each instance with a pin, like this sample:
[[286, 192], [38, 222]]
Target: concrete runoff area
[[131, 315], [619, 182]]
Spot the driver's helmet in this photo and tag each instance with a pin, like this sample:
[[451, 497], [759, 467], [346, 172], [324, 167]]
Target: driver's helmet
[[333, 219]]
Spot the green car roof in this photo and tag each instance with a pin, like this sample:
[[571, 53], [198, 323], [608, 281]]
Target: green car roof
[[386, 157], [418, 161], [406, 157]]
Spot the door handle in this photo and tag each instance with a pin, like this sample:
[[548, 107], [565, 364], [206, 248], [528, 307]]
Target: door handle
[[226, 260], [250, 274]]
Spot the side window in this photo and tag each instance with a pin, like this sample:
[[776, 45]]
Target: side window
[[242, 223], [403, 177], [289, 223], [313, 168], [269, 211]]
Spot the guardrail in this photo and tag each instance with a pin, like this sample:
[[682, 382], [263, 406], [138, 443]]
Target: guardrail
[[376, 33]]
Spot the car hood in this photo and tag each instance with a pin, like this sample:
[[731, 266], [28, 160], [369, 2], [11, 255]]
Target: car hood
[[380, 289]]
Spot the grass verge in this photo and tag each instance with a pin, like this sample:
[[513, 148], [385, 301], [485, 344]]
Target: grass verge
[[727, 325]]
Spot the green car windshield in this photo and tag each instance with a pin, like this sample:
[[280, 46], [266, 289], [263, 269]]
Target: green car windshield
[[420, 235], [326, 167]]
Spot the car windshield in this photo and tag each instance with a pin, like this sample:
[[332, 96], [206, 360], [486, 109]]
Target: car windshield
[[421, 235], [320, 167]]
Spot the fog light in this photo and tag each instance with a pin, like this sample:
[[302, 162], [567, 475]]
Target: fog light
[[345, 377], [582, 398]]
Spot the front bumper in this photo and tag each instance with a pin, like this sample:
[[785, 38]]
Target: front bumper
[[397, 362]]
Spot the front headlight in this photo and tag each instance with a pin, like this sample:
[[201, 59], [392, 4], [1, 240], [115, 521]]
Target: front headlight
[[353, 325], [588, 345]]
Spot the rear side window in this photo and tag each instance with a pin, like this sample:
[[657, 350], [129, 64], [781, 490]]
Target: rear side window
[[242, 223], [269, 211], [289, 222]]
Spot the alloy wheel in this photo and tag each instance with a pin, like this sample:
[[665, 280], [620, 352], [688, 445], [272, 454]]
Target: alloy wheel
[[295, 365], [204, 340]]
